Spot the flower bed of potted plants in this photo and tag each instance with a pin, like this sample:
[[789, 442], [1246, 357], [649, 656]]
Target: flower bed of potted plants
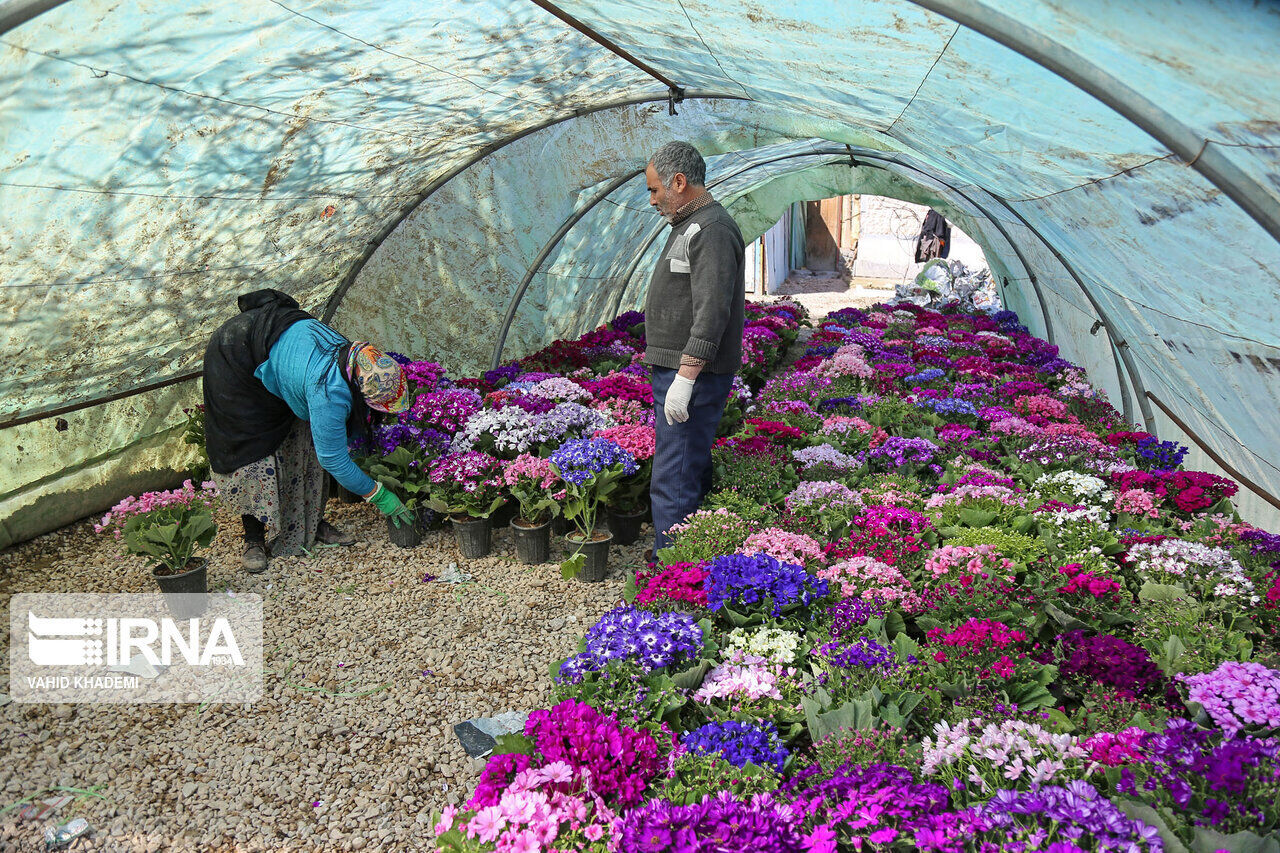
[[940, 598]]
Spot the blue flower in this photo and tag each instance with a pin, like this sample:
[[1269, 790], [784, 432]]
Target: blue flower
[[581, 459], [739, 743], [743, 580], [651, 640]]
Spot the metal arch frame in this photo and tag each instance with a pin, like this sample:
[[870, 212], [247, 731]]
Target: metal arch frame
[[1197, 153], [18, 13], [340, 292], [547, 248], [1031, 276], [1119, 347]]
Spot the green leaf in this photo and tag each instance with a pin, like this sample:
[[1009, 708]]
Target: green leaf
[[894, 624], [976, 517], [1149, 816], [571, 567], [1152, 591], [905, 647], [1064, 620], [1208, 841], [513, 744], [691, 678], [1172, 649]]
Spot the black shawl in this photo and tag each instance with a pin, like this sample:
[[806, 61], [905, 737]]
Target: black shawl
[[244, 422]]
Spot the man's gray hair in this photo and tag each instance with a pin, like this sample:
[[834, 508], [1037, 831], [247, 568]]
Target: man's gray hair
[[679, 157]]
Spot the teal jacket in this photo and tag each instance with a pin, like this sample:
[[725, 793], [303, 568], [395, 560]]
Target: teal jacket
[[300, 369]]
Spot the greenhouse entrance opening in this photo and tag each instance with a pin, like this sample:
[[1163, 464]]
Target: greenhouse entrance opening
[[858, 249]]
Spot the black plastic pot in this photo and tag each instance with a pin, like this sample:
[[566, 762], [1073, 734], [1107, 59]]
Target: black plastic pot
[[184, 591], [472, 536], [533, 544], [597, 551], [625, 527], [559, 525], [404, 536], [429, 519]]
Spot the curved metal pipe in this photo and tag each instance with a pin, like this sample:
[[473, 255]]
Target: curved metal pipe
[[1196, 152], [547, 248], [14, 15], [1031, 276], [1123, 360], [340, 292], [1119, 347]]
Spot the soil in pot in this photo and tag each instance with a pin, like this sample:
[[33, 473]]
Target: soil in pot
[[533, 541]]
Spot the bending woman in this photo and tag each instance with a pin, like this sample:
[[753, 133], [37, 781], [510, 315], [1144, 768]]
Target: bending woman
[[283, 394]]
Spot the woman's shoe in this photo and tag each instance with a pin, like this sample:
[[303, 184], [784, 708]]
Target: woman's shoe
[[255, 557]]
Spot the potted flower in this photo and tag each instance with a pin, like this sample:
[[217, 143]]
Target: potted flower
[[167, 527], [591, 469], [629, 504], [531, 481], [469, 487], [404, 473]]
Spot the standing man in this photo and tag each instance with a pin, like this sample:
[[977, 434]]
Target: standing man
[[693, 328]]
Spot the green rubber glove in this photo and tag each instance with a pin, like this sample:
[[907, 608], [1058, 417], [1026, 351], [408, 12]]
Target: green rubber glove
[[389, 505]]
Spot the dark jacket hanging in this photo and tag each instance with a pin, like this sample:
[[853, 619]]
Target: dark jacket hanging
[[935, 238], [244, 422]]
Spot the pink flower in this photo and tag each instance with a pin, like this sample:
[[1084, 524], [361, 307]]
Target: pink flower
[[487, 824], [446, 820]]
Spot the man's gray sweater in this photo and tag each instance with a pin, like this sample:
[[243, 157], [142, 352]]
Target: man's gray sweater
[[696, 300]]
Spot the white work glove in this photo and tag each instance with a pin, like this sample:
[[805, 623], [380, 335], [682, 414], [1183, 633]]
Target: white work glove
[[677, 405]]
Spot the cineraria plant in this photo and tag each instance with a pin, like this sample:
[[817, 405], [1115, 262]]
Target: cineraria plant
[[1200, 783], [467, 484], [760, 584], [739, 743], [590, 469], [1237, 696], [651, 640], [974, 757]]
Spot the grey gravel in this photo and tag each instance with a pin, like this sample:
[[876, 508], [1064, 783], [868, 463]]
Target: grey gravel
[[301, 770]]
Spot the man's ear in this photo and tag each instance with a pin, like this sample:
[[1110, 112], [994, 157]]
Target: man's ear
[[679, 182]]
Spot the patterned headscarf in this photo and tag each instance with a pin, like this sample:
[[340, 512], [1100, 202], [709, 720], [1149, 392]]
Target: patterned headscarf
[[379, 377]]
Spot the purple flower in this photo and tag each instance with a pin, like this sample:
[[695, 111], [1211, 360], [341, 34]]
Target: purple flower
[[649, 639]]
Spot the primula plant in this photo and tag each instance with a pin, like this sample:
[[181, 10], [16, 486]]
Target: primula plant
[[166, 526], [535, 486]]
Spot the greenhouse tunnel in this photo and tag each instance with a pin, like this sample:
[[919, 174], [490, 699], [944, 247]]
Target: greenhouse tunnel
[[463, 182]]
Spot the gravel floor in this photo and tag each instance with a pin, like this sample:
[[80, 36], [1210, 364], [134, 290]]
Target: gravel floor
[[301, 770]]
